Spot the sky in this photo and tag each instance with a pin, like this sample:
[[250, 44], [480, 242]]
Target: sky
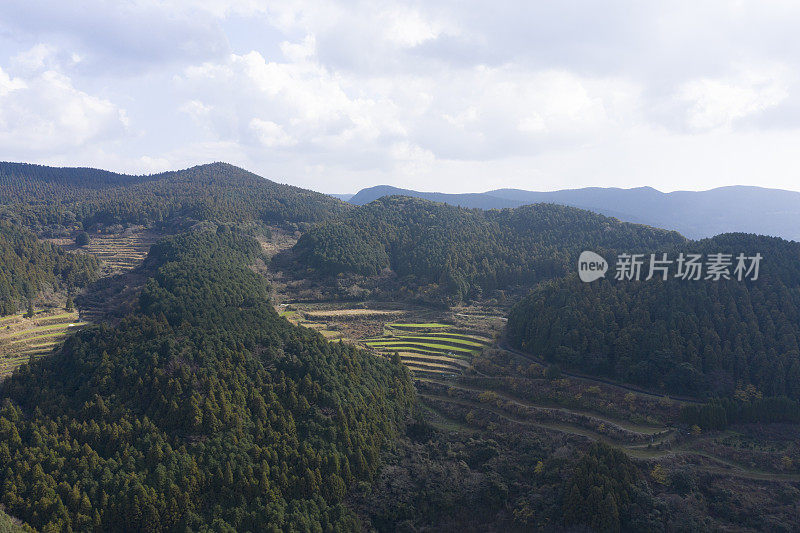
[[434, 95]]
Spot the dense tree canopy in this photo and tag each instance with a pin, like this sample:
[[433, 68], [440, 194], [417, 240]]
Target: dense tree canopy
[[40, 196], [696, 337], [606, 493], [28, 265], [203, 410], [453, 253]]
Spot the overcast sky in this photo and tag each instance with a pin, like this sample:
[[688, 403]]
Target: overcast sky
[[449, 95]]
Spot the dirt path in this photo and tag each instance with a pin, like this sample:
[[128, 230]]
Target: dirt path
[[624, 424], [563, 427], [637, 450], [605, 381]]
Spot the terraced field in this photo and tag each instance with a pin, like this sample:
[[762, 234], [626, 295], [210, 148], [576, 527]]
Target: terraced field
[[429, 348], [120, 252], [22, 338], [429, 342]]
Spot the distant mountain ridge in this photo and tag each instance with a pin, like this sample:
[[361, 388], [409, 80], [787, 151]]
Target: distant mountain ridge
[[484, 200], [39, 196], [695, 214]]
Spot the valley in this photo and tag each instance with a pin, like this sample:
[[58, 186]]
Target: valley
[[561, 294], [427, 341], [24, 338], [453, 357], [481, 402]]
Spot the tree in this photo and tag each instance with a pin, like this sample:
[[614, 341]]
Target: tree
[[552, 372], [600, 493], [82, 238], [27, 265], [694, 339], [141, 424]]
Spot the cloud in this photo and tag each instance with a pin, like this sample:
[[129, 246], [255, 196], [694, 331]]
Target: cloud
[[9, 84], [297, 101], [271, 134], [408, 27], [355, 121], [46, 113], [340, 94], [119, 36], [719, 103], [36, 58]]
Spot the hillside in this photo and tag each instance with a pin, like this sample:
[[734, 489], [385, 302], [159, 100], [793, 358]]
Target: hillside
[[696, 214], [28, 266], [470, 200], [447, 254], [691, 337], [48, 197], [202, 410]]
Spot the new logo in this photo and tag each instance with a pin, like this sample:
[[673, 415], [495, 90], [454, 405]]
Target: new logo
[[591, 266]]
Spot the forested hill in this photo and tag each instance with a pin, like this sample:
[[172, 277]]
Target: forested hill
[[203, 410], [447, 254], [470, 200], [693, 337], [27, 266], [695, 214], [40, 196]]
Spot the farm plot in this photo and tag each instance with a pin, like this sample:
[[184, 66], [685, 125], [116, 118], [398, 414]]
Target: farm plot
[[339, 322], [429, 348], [22, 338], [345, 314], [119, 252]]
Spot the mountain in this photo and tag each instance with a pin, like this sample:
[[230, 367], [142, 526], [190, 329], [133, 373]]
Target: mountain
[[342, 197], [476, 200], [203, 410], [40, 196], [772, 212], [443, 253], [699, 337]]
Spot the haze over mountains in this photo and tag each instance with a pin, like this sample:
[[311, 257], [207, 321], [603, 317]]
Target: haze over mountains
[[695, 214]]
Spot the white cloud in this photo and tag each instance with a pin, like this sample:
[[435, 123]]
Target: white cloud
[[36, 58], [411, 159], [719, 103], [9, 84], [299, 52], [350, 120], [196, 109], [271, 134], [340, 94], [290, 102], [46, 113], [408, 27]]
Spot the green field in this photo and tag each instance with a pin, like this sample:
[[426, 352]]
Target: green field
[[425, 352], [22, 338], [418, 326], [457, 342]]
